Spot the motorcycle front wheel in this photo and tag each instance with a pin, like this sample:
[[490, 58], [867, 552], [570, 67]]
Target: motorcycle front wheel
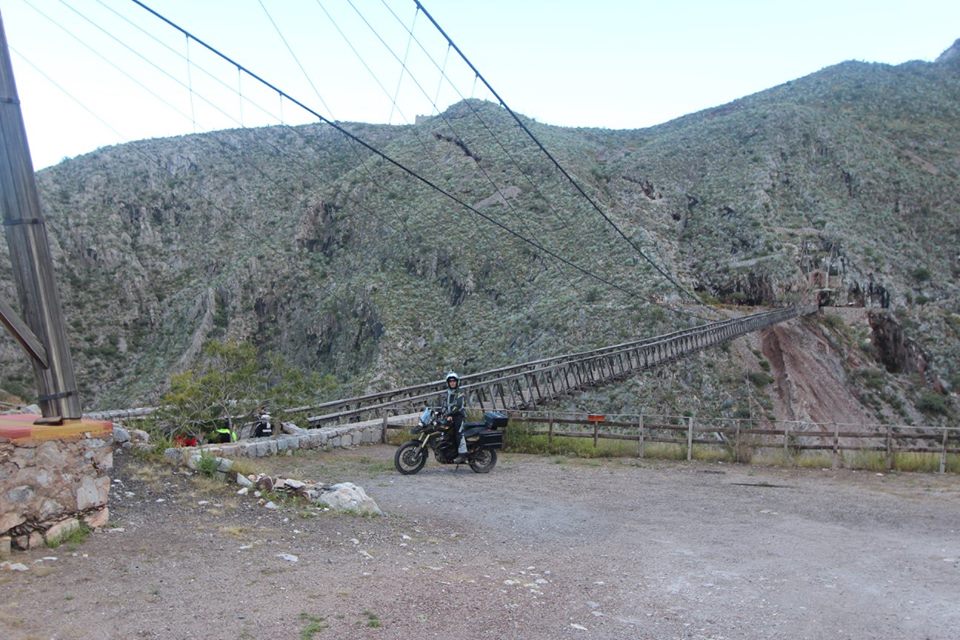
[[483, 460], [410, 457]]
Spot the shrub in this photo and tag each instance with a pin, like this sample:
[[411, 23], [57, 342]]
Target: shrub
[[932, 403], [207, 465], [759, 378], [920, 274], [872, 378]]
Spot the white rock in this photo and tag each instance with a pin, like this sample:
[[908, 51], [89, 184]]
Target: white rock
[[289, 557], [271, 505], [243, 491], [244, 481], [13, 566], [347, 496], [578, 626]]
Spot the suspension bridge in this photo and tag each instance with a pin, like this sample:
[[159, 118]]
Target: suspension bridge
[[519, 386]]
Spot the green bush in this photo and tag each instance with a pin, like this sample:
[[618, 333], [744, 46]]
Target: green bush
[[759, 379], [870, 377], [932, 403]]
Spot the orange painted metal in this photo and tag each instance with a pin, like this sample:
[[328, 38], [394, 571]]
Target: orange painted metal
[[20, 428]]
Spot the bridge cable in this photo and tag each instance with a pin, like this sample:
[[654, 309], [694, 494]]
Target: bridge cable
[[483, 171], [386, 157], [554, 160]]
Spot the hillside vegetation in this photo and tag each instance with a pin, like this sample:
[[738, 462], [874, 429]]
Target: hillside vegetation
[[310, 247]]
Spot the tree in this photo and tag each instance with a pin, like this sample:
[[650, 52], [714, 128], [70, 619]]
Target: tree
[[228, 383]]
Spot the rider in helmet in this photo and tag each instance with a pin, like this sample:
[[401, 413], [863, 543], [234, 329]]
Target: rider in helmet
[[454, 410]]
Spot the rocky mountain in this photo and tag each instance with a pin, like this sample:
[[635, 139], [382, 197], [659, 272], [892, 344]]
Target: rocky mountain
[[842, 185]]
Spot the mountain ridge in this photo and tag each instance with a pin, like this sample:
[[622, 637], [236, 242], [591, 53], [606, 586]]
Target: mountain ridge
[[306, 245]]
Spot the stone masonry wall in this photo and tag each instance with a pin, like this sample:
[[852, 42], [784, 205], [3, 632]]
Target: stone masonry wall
[[47, 488]]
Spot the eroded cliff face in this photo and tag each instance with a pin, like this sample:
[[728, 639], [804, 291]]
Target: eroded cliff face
[[849, 366], [811, 379]]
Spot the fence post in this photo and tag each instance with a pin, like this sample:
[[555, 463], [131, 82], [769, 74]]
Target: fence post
[[596, 427], [889, 444], [836, 445], [550, 430], [641, 436], [943, 452], [689, 438], [786, 441], [736, 450], [383, 431]]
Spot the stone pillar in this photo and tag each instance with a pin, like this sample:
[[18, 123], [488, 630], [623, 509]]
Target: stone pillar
[[53, 477]]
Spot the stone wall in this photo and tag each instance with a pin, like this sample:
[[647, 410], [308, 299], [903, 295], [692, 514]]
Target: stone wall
[[325, 438], [49, 486]]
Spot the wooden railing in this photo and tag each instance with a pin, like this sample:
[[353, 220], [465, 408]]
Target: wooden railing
[[740, 437]]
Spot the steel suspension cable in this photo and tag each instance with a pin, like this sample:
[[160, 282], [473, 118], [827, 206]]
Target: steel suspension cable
[[556, 163], [381, 154]]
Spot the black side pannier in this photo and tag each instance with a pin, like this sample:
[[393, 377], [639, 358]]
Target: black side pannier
[[495, 420]]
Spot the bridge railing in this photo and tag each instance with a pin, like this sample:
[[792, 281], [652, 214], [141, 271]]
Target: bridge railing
[[530, 383]]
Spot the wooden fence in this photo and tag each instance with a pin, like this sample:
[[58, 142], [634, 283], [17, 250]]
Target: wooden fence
[[741, 437]]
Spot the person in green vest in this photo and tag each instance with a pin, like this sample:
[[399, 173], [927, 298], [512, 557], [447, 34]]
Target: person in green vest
[[224, 434]]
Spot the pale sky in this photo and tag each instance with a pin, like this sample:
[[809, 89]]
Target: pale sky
[[604, 63]]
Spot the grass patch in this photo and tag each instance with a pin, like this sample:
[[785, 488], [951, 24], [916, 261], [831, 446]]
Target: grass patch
[[869, 460], [244, 466], [521, 439], [314, 625], [75, 537], [373, 620], [925, 462], [814, 460], [706, 453]]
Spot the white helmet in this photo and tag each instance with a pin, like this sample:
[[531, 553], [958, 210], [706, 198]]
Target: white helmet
[[452, 375]]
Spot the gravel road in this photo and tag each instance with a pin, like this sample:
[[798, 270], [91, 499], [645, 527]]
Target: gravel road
[[540, 548]]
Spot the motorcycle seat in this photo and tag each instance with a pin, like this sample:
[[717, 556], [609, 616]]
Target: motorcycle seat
[[473, 425]]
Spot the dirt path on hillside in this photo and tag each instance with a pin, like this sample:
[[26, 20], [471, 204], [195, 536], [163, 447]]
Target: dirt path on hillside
[[540, 548]]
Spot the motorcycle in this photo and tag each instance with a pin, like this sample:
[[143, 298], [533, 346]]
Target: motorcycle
[[264, 426], [434, 434]]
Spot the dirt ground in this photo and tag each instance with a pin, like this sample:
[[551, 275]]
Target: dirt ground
[[540, 548]]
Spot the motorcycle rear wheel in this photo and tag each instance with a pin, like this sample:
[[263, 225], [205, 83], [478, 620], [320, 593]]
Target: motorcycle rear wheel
[[410, 458], [484, 460]]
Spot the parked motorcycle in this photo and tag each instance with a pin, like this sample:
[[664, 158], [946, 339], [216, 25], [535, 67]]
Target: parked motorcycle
[[264, 427], [434, 434]]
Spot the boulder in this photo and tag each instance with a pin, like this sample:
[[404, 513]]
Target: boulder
[[120, 435], [60, 530], [97, 519], [347, 496]]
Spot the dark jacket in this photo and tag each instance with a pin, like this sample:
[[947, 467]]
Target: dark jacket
[[454, 403]]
